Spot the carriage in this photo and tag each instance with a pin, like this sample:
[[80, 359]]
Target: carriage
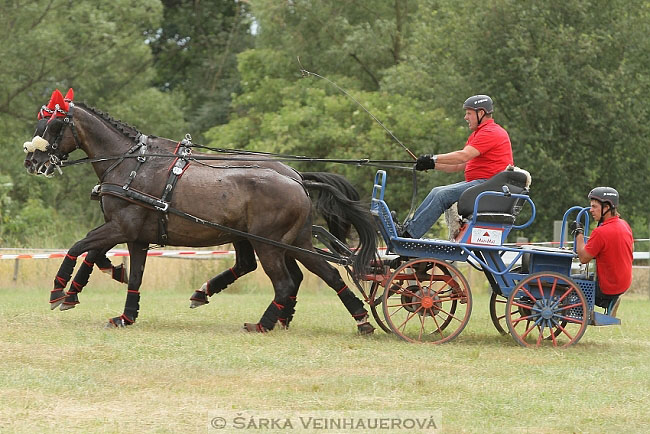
[[535, 297]]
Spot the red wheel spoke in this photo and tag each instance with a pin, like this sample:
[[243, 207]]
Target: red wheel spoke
[[523, 288], [523, 337], [573, 320], [553, 331], [540, 287], [565, 332], [525, 306], [408, 318], [570, 306]]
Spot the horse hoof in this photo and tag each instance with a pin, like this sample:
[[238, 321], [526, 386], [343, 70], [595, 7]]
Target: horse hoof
[[365, 329], [254, 328], [199, 298], [56, 298], [67, 306], [118, 322]]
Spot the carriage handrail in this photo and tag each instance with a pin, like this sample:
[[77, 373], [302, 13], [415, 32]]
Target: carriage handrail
[[380, 184], [583, 210], [506, 194]]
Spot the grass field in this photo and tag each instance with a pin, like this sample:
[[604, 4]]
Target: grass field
[[62, 372]]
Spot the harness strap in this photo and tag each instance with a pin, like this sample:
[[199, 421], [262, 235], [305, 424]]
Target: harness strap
[[151, 202]]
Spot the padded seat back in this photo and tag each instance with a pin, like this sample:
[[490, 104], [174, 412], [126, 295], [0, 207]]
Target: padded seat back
[[516, 181]]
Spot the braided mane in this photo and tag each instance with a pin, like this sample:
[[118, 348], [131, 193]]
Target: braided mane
[[122, 127]]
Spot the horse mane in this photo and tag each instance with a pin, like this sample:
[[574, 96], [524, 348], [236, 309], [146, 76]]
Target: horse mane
[[124, 128]]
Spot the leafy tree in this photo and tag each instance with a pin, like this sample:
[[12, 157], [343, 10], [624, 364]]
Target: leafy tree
[[195, 50], [567, 79], [99, 50]]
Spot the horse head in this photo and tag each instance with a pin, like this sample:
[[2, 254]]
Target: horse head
[[55, 136]]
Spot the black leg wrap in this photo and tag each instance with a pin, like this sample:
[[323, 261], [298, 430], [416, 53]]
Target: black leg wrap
[[352, 303], [61, 280], [287, 313], [82, 276], [221, 281], [119, 273], [271, 315], [132, 306], [103, 262]]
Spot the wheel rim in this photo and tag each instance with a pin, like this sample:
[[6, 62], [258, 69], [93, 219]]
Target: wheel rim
[[546, 309], [428, 301], [499, 321]]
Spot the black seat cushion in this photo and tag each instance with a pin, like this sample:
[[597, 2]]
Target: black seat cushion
[[514, 180]]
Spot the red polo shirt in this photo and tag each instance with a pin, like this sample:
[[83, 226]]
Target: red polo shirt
[[493, 142], [612, 245]]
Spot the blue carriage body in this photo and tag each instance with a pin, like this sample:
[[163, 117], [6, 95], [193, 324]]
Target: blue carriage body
[[482, 244]]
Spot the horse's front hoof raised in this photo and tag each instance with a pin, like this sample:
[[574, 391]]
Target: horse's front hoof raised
[[56, 298], [70, 301], [254, 328], [199, 298]]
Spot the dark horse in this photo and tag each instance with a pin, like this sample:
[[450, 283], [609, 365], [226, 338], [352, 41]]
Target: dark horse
[[261, 206]]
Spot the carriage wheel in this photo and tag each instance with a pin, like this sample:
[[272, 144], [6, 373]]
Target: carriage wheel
[[375, 303], [547, 308], [498, 303], [428, 301]]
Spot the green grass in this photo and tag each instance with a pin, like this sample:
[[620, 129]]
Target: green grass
[[62, 372]]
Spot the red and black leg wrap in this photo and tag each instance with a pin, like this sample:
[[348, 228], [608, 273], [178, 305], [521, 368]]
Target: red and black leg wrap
[[221, 281], [132, 305], [271, 315], [62, 278], [117, 273], [131, 308], [286, 315], [77, 285], [352, 303]]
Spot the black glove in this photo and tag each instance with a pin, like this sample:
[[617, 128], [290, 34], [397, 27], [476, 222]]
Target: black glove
[[576, 228], [425, 162]]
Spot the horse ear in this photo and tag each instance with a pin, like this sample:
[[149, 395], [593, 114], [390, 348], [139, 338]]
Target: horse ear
[[69, 96]]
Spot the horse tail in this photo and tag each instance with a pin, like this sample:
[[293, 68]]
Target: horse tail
[[338, 203]]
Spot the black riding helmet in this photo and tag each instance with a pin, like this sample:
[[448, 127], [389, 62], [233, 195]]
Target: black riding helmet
[[605, 195], [479, 102]]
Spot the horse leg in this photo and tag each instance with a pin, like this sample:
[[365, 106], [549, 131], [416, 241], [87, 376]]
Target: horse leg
[[274, 265], [117, 272], [85, 270], [138, 255], [332, 277], [244, 263], [57, 295], [80, 280], [290, 308]]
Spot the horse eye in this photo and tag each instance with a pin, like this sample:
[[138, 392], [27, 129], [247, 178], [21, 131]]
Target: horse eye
[[52, 128]]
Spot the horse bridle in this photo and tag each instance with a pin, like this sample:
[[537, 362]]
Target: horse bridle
[[56, 156]]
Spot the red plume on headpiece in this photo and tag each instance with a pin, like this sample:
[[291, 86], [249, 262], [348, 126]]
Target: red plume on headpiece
[[57, 99]]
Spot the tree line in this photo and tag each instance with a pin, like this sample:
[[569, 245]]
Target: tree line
[[568, 78]]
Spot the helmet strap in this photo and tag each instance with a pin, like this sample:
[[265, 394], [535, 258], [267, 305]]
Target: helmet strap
[[479, 120]]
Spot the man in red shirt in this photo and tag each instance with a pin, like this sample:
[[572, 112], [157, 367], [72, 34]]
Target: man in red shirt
[[487, 152], [611, 243]]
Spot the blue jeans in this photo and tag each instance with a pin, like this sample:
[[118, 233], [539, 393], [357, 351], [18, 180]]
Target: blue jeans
[[435, 204]]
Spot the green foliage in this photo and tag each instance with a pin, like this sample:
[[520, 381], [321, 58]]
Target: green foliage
[[194, 49], [568, 79]]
